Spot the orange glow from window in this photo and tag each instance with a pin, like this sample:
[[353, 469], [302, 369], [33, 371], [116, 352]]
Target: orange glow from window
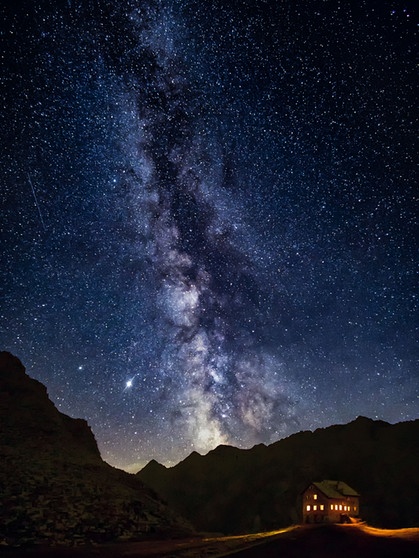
[[340, 507], [332, 507], [314, 508], [308, 508], [322, 507], [315, 496]]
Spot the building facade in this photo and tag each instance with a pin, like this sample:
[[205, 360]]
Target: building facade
[[329, 501]]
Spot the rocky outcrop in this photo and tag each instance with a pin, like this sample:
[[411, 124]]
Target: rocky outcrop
[[54, 486], [232, 490], [30, 422]]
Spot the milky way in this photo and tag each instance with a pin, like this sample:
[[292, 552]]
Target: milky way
[[209, 222]]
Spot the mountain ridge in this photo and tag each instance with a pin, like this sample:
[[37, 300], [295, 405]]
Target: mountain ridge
[[239, 490], [358, 420]]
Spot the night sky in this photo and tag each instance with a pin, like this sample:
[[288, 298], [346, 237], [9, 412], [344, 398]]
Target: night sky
[[207, 216]]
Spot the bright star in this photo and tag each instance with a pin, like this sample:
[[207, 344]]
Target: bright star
[[130, 382]]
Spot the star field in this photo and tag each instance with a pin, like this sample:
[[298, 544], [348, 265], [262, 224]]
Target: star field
[[208, 228]]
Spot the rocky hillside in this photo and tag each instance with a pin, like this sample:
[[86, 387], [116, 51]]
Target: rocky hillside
[[232, 490], [54, 486]]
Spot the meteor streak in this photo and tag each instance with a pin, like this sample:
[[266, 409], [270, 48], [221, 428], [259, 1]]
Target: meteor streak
[[36, 202]]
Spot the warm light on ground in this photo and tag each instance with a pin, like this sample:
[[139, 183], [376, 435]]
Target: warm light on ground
[[250, 537], [408, 533]]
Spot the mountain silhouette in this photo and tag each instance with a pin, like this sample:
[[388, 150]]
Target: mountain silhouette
[[232, 490], [54, 486]]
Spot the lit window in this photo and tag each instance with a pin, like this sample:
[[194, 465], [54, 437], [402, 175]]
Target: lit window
[[314, 508], [322, 507], [340, 507], [315, 496], [354, 508], [308, 508], [349, 508], [332, 507], [345, 508]]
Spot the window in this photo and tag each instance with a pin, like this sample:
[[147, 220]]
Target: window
[[308, 508], [332, 507], [345, 508], [322, 507], [354, 508], [314, 507], [315, 496], [349, 508], [340, 507]]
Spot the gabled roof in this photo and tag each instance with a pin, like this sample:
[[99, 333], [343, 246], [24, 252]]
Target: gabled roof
[[335, 489]]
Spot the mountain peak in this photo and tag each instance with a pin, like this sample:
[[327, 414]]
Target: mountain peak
[[29, 420], [53, 482], [365, 421], [10, 365], [153, 466]]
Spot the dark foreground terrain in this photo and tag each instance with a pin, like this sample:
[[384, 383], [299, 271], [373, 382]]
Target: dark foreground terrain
[[338, 541], [331, 541]]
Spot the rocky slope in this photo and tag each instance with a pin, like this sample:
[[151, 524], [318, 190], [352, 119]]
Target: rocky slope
[[54, 486], [232, 490]]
